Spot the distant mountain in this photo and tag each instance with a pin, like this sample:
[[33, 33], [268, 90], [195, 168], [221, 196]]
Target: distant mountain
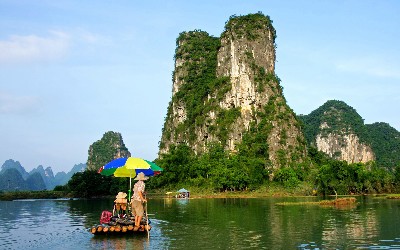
[[61, 178], [47, 175], [13, 176], [35, 182], [11, 164], [11, 180]]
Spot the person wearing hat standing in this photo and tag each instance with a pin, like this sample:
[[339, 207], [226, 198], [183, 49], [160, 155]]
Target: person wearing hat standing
[[138, 199]]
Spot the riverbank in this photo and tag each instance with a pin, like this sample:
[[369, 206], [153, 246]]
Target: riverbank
[[263, 191], [194, 193], [44, 194]]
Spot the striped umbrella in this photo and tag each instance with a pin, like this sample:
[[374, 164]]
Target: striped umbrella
[[129, 167]]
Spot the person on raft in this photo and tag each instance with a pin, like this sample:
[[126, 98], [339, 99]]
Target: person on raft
[[138, 199], [120, 204]]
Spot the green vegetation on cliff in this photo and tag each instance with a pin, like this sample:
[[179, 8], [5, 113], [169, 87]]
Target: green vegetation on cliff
[[248, 26], [332, 176], [385, 142], [343, 119], [215, 170], [338, 116], [201, 89]]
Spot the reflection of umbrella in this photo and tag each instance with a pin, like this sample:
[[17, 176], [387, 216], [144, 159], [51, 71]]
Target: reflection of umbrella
[[129, 167]]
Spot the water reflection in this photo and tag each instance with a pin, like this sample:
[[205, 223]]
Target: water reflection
[[382, 244], [205, 224], [120, 242], [30, 223]]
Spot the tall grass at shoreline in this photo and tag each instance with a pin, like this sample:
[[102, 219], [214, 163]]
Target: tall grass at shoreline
[[17, 195]]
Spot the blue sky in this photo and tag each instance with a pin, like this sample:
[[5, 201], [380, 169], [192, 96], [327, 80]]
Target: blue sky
[[73, 70]]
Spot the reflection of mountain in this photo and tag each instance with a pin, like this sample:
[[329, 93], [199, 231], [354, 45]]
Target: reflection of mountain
[[233, 223], [350, 226], [13, 176]]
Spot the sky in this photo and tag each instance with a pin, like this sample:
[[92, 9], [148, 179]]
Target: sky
[[72, 70]]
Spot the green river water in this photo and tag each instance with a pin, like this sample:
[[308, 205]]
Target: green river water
[[232, 223]]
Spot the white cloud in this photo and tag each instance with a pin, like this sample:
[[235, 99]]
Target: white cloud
[[33, 48], [10, 104], [371, 67]]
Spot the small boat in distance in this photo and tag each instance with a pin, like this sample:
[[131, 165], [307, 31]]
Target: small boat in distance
[[182, 194]]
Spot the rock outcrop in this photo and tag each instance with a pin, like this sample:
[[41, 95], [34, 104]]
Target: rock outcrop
[[339, 131], [344, 147], [109, 147], [226, 88]]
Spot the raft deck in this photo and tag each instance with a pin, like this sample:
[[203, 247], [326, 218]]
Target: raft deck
[[118, 229], [117, 225]]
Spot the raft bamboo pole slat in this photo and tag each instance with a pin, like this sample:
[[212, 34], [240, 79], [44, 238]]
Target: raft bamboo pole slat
[[106, 229]]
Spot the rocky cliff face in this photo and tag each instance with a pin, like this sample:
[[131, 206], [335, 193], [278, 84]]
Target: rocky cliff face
[[241, 95], [344, 147], [109, 147], [339, 131]]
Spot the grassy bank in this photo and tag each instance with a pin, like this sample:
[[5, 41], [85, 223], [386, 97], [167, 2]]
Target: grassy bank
[[263, 191], [16, 195], [195, 192]]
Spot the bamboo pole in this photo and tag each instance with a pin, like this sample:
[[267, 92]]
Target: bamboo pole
[[147, 222]]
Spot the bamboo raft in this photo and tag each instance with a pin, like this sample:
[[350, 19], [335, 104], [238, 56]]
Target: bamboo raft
[[118, 229], [121, 226], [120, 220]]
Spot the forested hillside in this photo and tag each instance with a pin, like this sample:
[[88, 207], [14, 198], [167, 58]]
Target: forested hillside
[[385, 142]]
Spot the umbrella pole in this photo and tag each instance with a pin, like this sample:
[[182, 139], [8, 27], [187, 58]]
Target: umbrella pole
[[130, 188], [129, 196]]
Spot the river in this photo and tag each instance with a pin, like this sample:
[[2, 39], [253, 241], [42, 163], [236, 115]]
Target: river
[[231, 223]]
